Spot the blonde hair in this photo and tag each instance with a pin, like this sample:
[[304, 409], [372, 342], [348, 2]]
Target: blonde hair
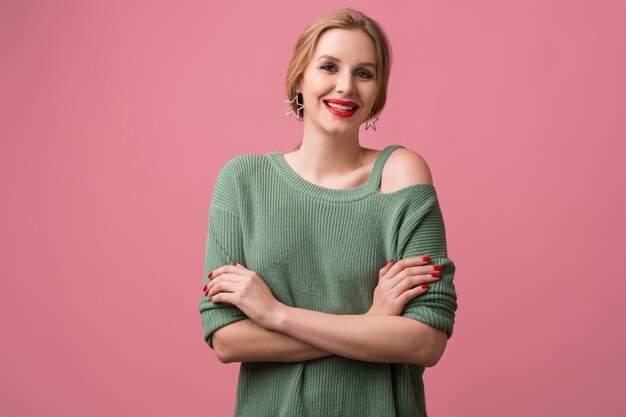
[[347, 18]]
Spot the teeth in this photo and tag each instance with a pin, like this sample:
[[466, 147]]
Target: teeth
[[339, 106]]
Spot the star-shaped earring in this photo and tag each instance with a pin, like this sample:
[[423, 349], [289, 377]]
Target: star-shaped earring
[[290, 107], [373, 126]]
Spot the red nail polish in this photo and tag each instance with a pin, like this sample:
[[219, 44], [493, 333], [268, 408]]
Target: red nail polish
[[438, 267], [426, 258], [204, 288], [210, 274], [239, 263], [425, 286], [435, 274]]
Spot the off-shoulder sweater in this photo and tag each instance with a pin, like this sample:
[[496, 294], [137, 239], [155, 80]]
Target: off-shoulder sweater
[[321, 249]]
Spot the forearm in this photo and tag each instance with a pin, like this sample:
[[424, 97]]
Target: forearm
[[246, 341], [366, 337]]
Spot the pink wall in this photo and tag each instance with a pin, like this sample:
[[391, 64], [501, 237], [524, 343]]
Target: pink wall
[[115, 118]]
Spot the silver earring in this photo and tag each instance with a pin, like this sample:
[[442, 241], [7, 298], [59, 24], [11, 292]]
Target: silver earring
[[367, 125], [298, 103]]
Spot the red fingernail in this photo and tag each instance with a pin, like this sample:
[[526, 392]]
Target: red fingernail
[[435, 274], [210, 274], [239, 263], [389, 261], [204, 288], [425, 286], [438, 267], [426, 258]]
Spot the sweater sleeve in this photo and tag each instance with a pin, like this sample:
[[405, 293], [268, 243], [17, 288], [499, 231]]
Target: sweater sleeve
[[224, 245], [422, 233]]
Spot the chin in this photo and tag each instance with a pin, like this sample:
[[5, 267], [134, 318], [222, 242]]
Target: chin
[[342, 130]]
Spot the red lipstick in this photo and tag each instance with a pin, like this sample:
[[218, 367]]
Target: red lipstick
[[342, 102], [340, 112]]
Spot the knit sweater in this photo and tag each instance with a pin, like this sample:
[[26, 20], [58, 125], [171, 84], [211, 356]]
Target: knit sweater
[[321, 249]]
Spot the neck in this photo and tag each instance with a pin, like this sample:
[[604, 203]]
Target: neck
[[323, 160]]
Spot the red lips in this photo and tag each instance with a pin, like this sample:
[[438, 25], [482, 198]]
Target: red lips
[[342, 102], [340, 113]]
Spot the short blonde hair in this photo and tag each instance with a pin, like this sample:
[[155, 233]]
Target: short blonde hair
[[347, 18]]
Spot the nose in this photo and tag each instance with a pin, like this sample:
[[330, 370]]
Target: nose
[[345, 83]]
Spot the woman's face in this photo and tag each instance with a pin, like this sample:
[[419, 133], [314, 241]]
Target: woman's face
[[342, 68]]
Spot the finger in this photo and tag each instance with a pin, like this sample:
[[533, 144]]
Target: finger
[[423, 270], [411, 282], [385, 268], [404, 263], [222, 286], [222, 277], [410, 294], [223, 297], [221, 270]]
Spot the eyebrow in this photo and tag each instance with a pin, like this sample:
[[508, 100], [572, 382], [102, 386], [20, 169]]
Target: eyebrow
[[366, 64]]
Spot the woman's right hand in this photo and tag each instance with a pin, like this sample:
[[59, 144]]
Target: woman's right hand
[[400, 282]]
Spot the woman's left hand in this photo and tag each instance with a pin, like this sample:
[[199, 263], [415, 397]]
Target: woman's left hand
[[242, 287]]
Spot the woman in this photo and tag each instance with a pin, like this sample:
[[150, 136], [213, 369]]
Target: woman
[[298, 287]]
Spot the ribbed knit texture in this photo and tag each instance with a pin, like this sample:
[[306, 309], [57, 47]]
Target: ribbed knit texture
[[321, 249]]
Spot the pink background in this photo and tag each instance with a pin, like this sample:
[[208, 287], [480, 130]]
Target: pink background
[[116, 117]]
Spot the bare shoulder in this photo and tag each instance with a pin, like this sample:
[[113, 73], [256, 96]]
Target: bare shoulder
[[403, 168]]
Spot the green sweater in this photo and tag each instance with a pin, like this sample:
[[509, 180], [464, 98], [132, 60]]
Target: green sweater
[[321, 249]]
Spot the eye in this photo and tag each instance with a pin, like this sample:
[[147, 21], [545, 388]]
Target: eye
[[365, 74]]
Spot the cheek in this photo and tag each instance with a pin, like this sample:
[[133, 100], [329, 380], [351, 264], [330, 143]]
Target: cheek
[[371, 98], [372, 92], [319, 85]]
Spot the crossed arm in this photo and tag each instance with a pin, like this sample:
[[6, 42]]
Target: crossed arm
[[301, 334]]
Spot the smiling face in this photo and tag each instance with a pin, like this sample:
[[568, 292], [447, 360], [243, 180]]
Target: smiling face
[[340, 72]]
